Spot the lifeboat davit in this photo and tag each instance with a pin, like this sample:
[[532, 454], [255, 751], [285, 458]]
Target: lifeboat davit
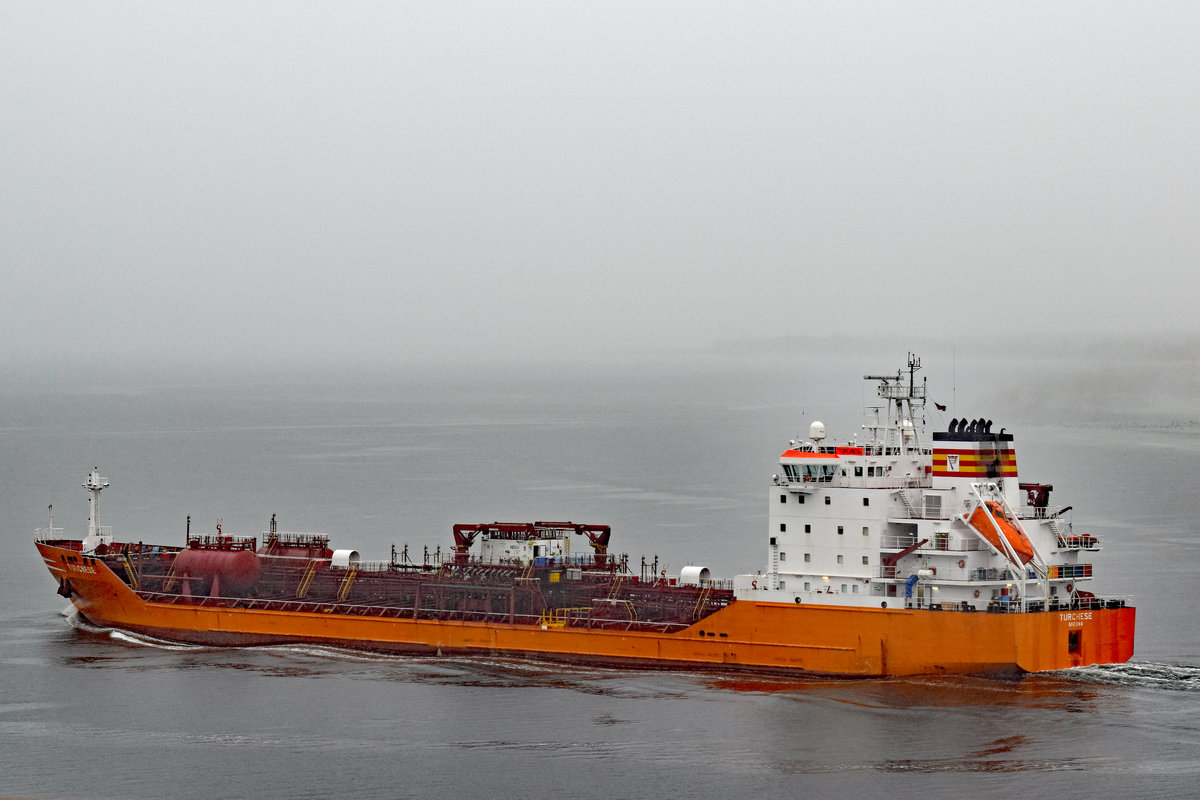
[[981, 521]]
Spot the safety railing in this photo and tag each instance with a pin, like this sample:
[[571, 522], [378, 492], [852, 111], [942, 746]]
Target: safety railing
[[1048, 512], [937, 543], [884, 571], [47, 534], [221, 542], [1065, 604], [409, 612], [296, 539], [1083, 541]]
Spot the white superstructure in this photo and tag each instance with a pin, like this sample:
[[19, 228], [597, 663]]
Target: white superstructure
[[904, 521]]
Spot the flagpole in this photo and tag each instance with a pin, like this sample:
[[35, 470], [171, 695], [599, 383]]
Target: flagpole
[[954, 379]]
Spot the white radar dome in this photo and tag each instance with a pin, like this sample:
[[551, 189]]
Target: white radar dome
[[816, 431]]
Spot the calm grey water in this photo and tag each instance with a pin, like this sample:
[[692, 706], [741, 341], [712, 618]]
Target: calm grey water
[[676, 459]]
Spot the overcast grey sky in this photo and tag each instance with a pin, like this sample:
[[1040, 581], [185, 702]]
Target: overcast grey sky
[[440, 180]]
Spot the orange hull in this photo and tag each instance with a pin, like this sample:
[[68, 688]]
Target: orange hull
[[745, 635]]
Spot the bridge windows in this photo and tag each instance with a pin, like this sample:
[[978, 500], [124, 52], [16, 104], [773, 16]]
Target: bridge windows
[[810, 473]]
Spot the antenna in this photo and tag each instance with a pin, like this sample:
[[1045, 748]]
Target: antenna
[[914, 364]]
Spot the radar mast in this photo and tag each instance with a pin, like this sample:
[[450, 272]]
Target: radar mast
[[900, 429], [96, 535]]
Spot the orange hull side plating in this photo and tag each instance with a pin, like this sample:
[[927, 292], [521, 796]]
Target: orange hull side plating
[[745, 635]]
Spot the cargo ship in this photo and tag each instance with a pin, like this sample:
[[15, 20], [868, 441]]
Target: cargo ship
[[896, 554]]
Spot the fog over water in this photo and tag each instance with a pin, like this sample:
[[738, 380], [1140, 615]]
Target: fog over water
[[383, 267], [389, 183]]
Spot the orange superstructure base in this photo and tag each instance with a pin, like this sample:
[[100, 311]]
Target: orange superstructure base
[[745, 635]]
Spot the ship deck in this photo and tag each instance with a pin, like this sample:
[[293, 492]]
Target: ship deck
[[577, 594]]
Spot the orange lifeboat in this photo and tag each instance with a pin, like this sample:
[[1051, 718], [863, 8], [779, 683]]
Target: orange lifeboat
[[1017, 539]]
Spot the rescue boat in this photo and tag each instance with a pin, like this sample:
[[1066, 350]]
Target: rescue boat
[[890, 556]]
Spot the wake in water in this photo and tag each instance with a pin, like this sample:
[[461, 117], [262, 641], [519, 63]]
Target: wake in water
[[80, 623], [449, 665], [1173, 677]]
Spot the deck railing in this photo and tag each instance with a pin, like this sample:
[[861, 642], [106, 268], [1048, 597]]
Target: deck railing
[[939, 544], [403, 612]]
